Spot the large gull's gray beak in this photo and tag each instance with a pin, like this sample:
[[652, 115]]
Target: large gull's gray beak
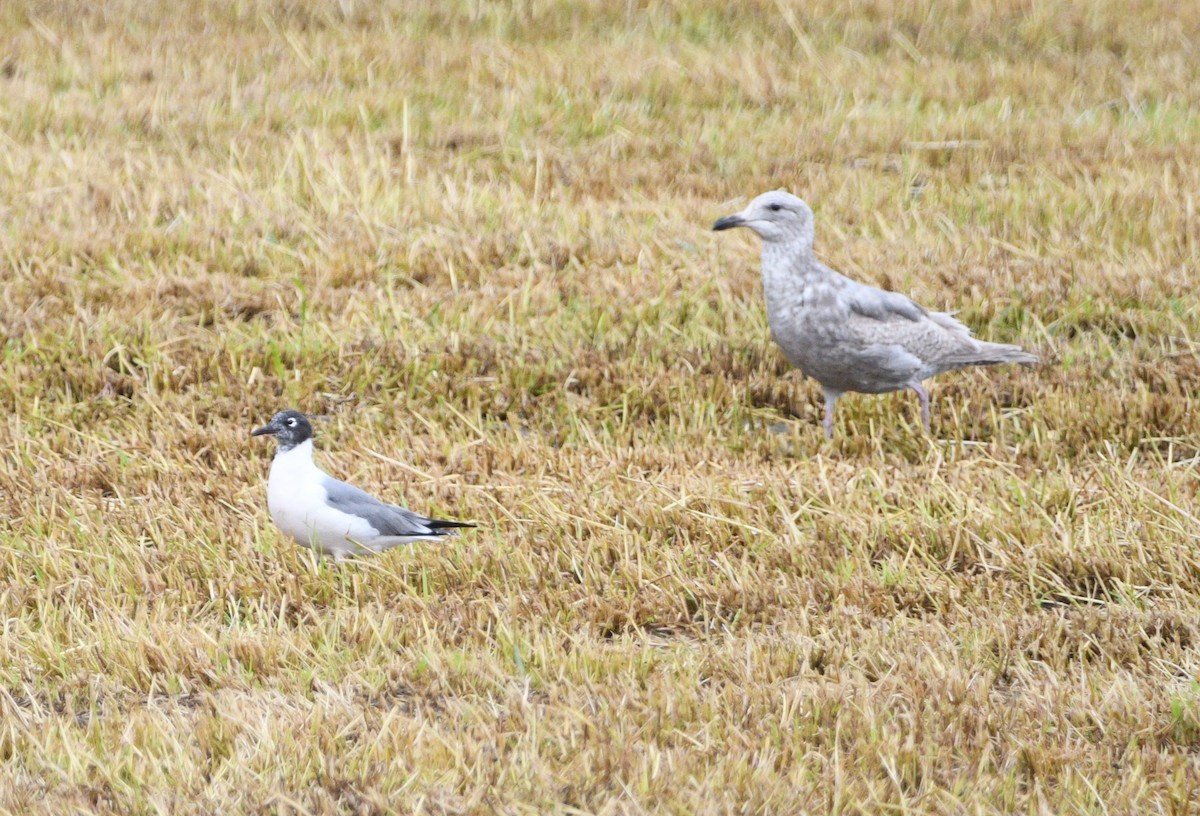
[[265, 429], [729, 222]]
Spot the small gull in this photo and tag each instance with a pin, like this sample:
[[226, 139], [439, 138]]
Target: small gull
[[846, 335], [332, 517]]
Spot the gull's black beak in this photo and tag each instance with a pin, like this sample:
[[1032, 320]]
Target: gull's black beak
[[728, 222], [265, 429]]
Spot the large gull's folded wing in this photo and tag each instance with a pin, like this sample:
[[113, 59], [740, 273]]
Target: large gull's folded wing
[[879, 304]]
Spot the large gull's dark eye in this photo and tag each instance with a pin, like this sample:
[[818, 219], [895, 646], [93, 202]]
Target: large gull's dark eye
[[774, 207]]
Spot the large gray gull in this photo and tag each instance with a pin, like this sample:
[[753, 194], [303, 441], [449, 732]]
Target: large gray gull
[[846, 335]]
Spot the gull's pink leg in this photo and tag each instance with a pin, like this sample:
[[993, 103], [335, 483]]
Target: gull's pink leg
[[923, 396], [831, 398]]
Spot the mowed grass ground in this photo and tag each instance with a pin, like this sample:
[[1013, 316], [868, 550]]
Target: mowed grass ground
[[475, 237]]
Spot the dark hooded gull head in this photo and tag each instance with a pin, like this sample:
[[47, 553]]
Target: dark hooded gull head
[[776, 217], [290, 428]]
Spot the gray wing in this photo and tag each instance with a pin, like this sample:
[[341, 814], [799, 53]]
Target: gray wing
[[934, 343], [879, 304], [936, 338], [388, 519], [900, 334]]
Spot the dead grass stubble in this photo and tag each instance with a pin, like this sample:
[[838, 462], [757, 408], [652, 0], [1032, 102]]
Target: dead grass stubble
[[475, 236]]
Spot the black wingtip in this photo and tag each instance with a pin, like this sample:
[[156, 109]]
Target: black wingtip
[[442, 524]]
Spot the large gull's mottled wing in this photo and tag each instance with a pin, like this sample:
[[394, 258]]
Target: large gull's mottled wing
[[936, 338], [926, 339], [388, 519], [879, 304]]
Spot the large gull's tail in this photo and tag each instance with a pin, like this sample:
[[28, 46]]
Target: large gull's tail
[[994, 354], [979, 352]]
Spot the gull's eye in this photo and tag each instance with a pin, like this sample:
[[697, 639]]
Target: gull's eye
[[774, 207]]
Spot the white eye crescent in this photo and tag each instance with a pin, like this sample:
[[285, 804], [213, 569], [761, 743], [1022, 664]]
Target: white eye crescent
[[291, 423]]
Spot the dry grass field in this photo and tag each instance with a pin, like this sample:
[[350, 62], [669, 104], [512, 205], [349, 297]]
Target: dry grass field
[[475, 237]]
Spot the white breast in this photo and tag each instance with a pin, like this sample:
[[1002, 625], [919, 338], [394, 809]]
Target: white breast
[[296, 498]]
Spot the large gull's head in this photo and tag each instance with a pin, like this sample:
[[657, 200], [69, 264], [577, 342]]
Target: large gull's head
[[776, 216]]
